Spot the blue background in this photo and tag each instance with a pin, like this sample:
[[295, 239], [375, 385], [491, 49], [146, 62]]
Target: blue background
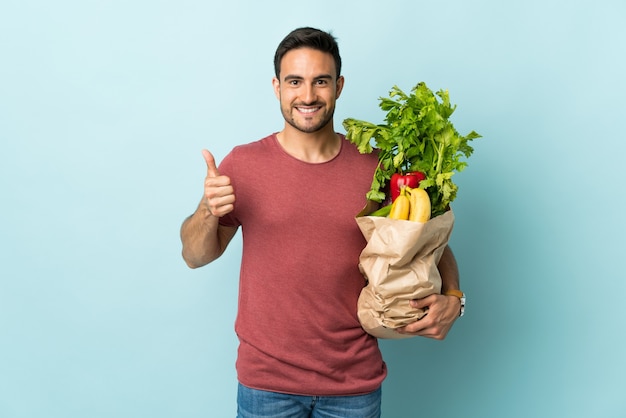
[[105, 106]]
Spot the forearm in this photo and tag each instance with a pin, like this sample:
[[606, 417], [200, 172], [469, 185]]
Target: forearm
[[448, 270], [200, 236]]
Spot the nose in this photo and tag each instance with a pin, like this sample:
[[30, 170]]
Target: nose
[[309, 94]]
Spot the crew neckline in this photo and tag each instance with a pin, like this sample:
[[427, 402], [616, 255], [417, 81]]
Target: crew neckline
[[277, 143]]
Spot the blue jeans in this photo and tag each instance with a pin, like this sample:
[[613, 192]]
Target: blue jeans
[[253, 403]]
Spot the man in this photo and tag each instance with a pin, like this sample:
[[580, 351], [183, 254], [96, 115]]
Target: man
[[295, 194]]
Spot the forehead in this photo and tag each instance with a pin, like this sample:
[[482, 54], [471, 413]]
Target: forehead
[[307, 62]]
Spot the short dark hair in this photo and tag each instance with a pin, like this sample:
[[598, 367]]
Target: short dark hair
[[307, 37]]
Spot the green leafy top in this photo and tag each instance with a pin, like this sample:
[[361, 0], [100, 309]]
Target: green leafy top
[[416, 136]]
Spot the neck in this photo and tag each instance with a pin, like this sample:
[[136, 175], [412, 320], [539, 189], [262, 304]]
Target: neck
[[314, 147]]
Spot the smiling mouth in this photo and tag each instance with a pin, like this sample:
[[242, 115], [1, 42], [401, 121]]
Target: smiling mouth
[[308, 109]]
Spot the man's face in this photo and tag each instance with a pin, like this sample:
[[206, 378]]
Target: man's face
[[307, 89]]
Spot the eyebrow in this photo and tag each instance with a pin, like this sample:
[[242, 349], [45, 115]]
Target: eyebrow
[[297, 77]]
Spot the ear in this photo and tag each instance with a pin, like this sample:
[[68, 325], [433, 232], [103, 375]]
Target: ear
[[340, 82], [276, 85]]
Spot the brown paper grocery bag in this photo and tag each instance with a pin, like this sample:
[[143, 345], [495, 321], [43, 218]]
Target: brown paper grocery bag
[[399, 263]]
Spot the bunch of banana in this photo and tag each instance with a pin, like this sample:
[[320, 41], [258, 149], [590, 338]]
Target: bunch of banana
[[413, 204]]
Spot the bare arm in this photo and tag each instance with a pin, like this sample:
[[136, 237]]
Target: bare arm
[[448, 270], [203, 238], [442, 310]]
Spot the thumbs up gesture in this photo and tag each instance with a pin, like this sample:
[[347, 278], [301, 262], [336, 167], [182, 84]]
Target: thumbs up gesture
[[219, 195]]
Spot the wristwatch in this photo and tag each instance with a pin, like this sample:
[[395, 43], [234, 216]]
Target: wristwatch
[[459, 295]]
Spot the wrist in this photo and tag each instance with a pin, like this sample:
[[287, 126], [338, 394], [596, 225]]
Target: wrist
[[205, 214], [460, 295]]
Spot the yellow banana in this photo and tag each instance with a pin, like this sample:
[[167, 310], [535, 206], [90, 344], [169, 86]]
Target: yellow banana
[[401, 206], [419, 204]]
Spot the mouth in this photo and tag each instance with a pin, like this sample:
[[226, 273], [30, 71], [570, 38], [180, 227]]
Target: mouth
[[308, 110]]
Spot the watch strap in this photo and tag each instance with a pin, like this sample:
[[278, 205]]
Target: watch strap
[[454, 292], [460, 295]]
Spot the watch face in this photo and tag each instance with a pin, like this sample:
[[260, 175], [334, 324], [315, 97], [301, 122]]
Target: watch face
[[462, 305]]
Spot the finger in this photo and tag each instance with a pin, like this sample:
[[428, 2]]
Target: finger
[[414, 328], [422, 303], [423, 322], [210, 164]]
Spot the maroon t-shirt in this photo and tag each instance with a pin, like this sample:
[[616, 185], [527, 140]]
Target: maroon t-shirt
[[297, 315]]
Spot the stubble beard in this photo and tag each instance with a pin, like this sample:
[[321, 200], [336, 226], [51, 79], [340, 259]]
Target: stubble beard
[[288, 115]]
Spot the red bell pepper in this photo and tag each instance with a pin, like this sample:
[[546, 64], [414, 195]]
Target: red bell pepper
[[398, 180]]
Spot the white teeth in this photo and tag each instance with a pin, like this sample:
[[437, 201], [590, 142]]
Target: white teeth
[[307, 110]]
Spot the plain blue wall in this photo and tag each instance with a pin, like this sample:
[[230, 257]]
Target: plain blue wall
[[105, 106]]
